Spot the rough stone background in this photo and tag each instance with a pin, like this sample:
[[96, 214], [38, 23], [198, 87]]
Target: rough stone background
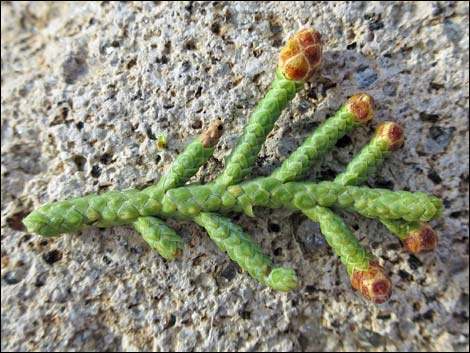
[[87, 87]]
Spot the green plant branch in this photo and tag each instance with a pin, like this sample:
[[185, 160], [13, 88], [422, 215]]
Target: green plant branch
[[153, 230], [323, 139], [366, 274], [190, 160], [416, 236], [170, 197], [122, 207], [244, 251], [340, 238], [244, 154], [159, 236], [298, 61]]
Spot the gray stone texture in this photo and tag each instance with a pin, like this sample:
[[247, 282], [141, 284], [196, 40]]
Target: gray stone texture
[[87, 87]]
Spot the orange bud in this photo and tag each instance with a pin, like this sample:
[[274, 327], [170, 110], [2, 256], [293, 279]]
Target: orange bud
[[373, 283], [361, 105], [422, 239], [392, 133], [301, 56]]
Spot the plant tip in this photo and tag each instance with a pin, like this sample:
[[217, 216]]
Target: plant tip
[[301, 56]]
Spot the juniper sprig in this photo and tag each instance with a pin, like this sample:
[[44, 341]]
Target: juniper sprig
[[389, 137], [173, 198]]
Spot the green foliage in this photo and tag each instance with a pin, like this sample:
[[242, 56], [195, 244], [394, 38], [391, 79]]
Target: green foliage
[[400, 211]]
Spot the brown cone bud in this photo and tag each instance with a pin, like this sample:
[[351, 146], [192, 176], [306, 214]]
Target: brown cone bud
[[210, 137], [361, 105], [301, 56], [392, 133], [373, 283], [422, 239]]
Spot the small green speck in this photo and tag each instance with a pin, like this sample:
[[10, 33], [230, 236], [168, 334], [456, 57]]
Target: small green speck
[[161, 142]]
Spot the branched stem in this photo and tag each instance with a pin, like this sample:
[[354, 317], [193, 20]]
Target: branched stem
[[402, 212]]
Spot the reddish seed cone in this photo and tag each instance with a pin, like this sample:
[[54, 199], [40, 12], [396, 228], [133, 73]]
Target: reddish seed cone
[[373, 283], [301, 56], [422, 239], [362, 106], [392, 133]]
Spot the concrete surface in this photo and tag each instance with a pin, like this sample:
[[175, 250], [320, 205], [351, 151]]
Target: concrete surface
[[87, 87]]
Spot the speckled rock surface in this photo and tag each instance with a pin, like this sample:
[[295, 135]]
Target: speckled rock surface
[[86, 88]]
